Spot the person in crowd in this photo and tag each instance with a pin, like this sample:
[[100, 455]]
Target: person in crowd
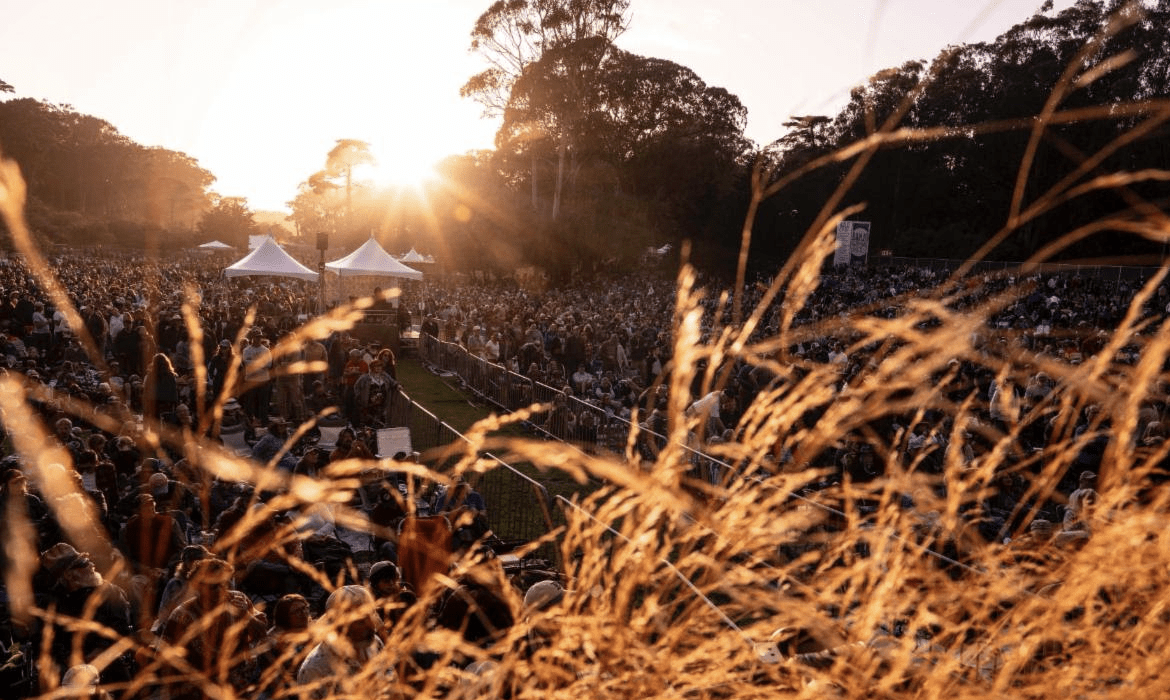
[[372, 394], [393, 596], [76, 589], [257, 361], [273, 443], [285, 646], [218, 367], [345, 662], [216, 631], [150, 539], [290, 397], [355, 367], [161, 388]]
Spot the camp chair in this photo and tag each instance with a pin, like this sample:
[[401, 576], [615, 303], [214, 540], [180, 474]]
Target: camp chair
[[330, 427], [391, 441], [424, 550], [234, 441]]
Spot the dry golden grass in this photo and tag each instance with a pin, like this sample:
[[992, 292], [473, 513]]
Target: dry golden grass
[[682, 590]]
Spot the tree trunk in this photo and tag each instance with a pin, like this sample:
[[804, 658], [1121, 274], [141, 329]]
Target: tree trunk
[[560, 180], [532, 177]]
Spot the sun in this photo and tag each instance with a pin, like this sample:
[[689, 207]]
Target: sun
[[401, 164]]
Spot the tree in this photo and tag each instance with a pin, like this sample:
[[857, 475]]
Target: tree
[[340, 162], [514, 34], [5, 87], [80, 165], [555, 46], [229, 220], [652, 144]]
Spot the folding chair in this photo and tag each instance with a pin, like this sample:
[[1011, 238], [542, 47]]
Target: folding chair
[[330, 429], [234, 442], [391, 441]]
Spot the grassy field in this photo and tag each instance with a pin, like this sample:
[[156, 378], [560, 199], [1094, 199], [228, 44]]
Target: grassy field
[[438, 396], [511, 500]]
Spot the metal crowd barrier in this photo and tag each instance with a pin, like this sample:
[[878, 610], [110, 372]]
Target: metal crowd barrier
[[594, 429], [519, 507], [1114, 273]]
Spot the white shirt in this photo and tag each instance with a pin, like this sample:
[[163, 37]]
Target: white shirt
[[706, 407], [263, 359]]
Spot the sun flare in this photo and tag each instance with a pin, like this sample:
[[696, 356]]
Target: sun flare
[[401, 164]]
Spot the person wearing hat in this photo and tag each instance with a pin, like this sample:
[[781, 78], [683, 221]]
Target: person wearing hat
[[78, 591], [14, 492], [540, 598], [337, 666], [84, 681], [272, 443]]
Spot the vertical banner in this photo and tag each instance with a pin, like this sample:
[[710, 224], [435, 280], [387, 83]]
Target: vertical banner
[[844, 243], [858, 243]]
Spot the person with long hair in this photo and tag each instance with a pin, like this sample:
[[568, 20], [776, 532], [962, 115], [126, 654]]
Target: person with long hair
[[160, 391]]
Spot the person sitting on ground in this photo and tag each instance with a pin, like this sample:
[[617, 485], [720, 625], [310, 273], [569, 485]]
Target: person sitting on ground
[[270, 445], [286, 645], [150, 539], [177, 590], [79, 591], [392, 594]]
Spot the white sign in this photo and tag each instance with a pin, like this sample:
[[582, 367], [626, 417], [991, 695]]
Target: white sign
[[852, 243]]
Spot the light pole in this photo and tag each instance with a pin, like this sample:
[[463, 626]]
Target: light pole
[[322, 244]]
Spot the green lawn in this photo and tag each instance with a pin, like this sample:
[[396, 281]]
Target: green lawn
[[439, 397], [511, 501]]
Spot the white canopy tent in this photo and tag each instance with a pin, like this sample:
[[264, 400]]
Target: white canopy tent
[[371, 259], [415, 257], [363, 270], [215, 246], [269, 260]]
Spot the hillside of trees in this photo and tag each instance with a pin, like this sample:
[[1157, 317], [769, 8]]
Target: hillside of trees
[[602, 153], [971, 121], [90, 184]]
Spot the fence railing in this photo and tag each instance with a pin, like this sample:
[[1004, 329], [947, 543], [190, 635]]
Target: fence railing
[[519, 506], [591, 427], [1102, 272]]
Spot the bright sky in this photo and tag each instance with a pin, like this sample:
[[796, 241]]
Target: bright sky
[[258, 91]]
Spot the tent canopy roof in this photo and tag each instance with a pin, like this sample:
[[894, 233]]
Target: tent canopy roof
[[415, 257], [372, 259], [269, 260], [216, 245]]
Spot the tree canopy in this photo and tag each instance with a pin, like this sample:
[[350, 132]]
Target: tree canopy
[[81, 172], [959, 170]]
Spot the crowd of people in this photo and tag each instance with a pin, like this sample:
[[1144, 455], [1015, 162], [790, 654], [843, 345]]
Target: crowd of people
[[599, 354], [185, 545]]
